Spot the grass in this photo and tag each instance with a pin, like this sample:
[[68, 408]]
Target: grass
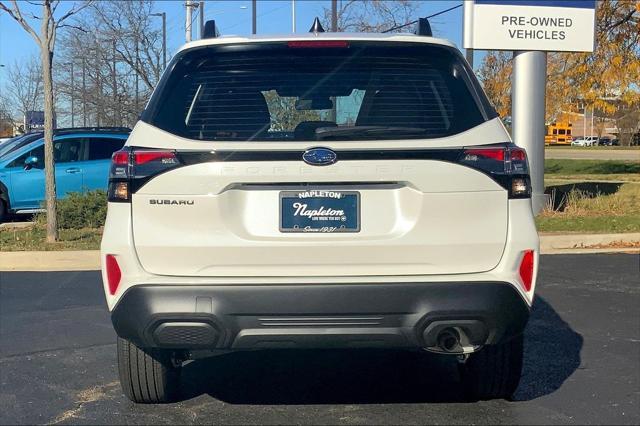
[[589, 225], [555, 179], [583, 211], [593, 148], [557, 171], [33, 238], [589, 167]]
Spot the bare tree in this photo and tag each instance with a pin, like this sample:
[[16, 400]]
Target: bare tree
[[24, 86], [372, 15], [121, 66], [6, 118], [46, 40]]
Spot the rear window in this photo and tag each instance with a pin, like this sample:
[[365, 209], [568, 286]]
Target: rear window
[[18, 143], [103, 148], [278, 92]]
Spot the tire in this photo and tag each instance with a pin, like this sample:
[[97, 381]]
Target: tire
[[4, 214], [147, 376], [493, 372]]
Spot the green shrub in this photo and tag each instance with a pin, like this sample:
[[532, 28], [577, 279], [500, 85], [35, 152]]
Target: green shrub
[[80, 210]]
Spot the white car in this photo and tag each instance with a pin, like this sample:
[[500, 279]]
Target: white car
[[327, 190], [585, 141]]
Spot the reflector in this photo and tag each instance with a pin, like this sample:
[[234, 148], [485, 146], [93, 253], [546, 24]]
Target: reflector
[[113, 273], [526, 269]]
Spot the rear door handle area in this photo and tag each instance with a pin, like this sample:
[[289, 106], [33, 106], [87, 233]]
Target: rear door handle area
[[72, 170]]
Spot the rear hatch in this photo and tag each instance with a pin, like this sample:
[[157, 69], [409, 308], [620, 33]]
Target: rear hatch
[[294, 159]]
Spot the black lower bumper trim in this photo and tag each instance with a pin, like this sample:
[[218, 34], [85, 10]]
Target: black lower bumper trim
[[317, 315]]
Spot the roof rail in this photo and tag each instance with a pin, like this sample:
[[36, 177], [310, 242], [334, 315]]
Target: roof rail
[[93, 129], [424, 28], [210, 30]]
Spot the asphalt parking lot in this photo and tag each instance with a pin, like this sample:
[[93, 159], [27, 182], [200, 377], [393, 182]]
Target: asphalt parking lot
[[57, 363]]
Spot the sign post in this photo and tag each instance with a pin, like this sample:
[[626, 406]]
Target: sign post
[[530, 28]]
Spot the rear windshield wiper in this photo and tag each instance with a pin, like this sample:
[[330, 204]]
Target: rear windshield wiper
[[323, 133]]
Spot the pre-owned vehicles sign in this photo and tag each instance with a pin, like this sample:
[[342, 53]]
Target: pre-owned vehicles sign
[[549, 25]]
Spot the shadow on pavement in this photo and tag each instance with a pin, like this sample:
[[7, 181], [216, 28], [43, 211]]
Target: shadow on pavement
[[376, 376], [552, 352]]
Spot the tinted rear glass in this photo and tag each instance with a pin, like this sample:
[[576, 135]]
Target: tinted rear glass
[[277, 92], [16, 144], [103, 148]]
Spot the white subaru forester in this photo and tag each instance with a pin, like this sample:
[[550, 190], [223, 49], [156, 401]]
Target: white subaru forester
[[319, 191]]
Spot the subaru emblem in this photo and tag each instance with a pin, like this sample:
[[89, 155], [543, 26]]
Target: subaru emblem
[[319, 156]]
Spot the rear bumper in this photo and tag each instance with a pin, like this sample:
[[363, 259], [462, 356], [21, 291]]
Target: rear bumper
[[399, 315]]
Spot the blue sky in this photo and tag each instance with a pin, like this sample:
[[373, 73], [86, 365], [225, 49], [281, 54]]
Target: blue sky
[[233, 17]]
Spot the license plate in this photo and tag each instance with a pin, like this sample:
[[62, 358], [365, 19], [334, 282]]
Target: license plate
[[319, 211]]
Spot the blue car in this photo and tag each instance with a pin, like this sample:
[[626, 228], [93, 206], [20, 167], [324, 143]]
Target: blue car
[[82, 160]]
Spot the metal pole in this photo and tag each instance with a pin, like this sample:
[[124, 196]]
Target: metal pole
[[254, 23], [84, 93], [528, 115], [187, 22], [591, 131], [164, 40], [116, 111], [73, 122], [469, 55], [201, 18], [333, 115], [334, 15], [137, 79], [584, 121], [293, 16], [99, 94]]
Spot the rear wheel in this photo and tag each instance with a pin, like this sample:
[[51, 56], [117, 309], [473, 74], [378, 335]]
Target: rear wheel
[[3, 211], [494, 371], [147, 375]]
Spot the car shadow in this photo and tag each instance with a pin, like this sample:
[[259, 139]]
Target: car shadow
[[552, 354]]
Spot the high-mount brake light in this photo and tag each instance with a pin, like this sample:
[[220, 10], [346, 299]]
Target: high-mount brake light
[[132, 168], [317, 44], [506, 164]]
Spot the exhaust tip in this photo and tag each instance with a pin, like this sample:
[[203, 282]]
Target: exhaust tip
[[449, 340]]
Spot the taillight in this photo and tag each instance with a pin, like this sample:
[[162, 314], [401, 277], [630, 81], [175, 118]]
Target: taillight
[[132, 168], [506, 164], [113, 273], [526, 269]]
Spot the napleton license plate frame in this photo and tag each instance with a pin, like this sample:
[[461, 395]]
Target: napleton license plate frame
[[310, 195]]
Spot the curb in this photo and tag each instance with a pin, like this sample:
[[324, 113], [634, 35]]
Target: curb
[[575, 243], [89, 260], [85, 260]]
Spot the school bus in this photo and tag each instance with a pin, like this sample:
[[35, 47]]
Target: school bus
[[558, 134]]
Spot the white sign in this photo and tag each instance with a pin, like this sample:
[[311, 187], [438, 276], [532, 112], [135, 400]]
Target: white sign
[[549, 25]]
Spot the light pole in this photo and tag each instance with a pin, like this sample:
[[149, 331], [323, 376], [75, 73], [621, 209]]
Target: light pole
[[164, 37], [254, 23], [201, 17], [116, 111], [293, 16], [84, 92], [72, 94]]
